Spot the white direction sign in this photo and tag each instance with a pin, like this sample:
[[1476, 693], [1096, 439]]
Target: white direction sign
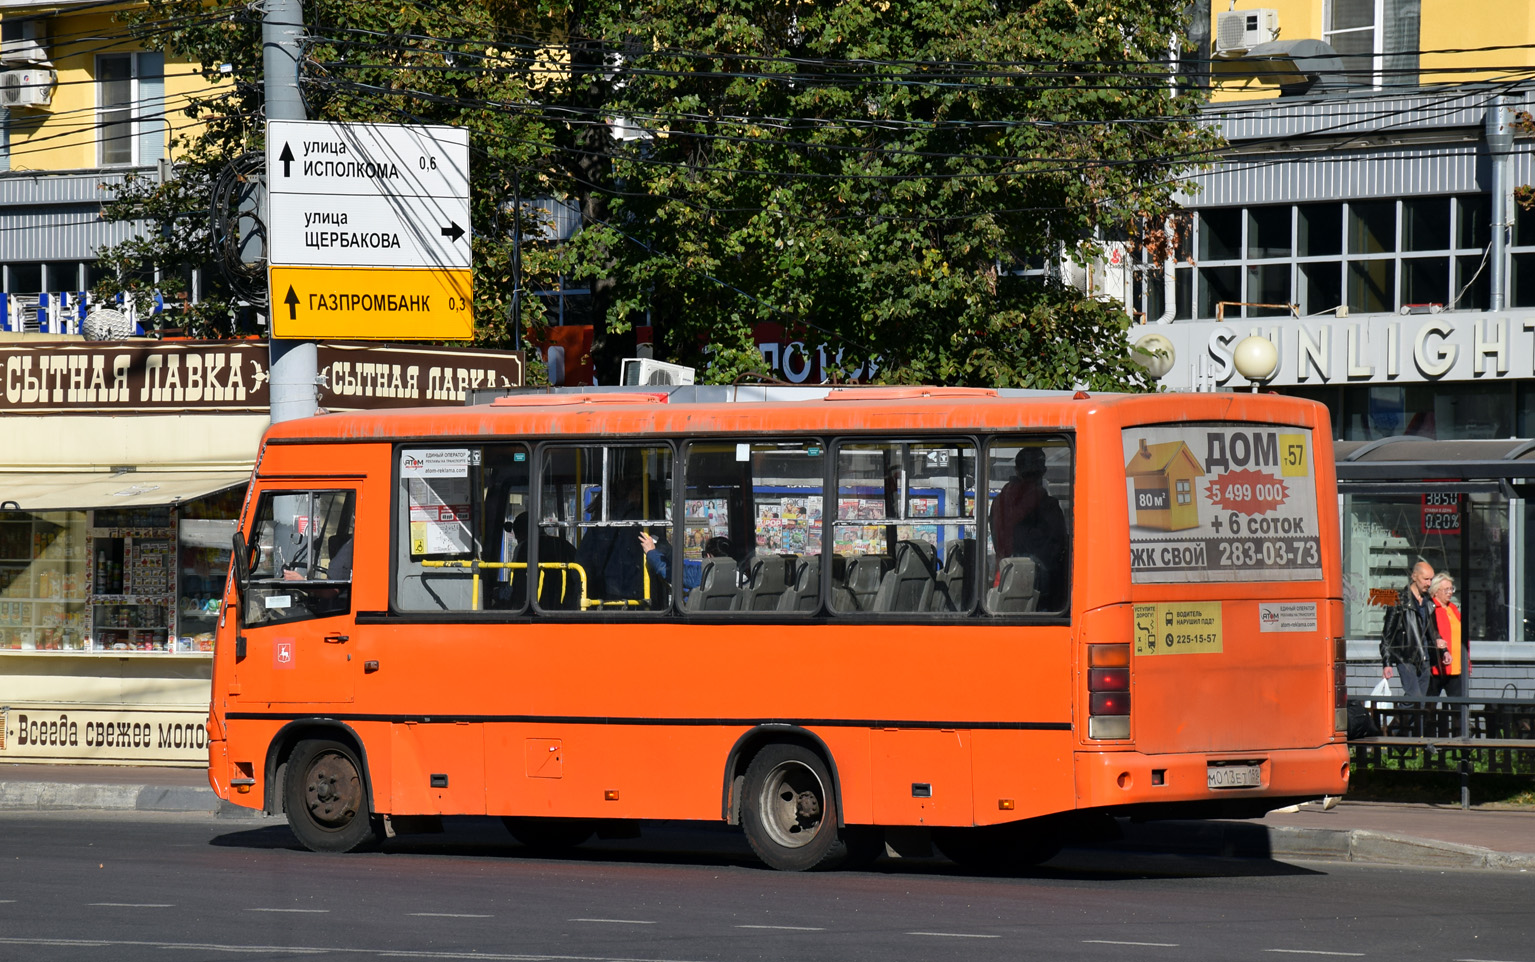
[[367, 195]]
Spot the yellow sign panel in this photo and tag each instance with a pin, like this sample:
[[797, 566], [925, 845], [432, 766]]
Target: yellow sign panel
[[1178, 628], [1294, 456], [371, 303]]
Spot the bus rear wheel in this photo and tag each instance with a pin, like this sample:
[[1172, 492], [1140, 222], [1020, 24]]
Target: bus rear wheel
[[325, 798], [789, 810]]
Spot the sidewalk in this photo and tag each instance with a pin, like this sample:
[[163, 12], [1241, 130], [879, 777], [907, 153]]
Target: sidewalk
[[1419, 835]]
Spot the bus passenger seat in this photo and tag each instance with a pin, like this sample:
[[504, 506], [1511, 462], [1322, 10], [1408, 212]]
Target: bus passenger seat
[[955, 590], [1016, 589], [769, 580], [805, 593], [861, 582], [909, 585], [716, 589]]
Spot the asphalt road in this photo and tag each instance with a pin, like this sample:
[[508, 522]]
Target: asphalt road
[[189, 887]]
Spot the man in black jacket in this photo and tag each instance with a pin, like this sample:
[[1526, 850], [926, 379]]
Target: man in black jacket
[[1410, 634]]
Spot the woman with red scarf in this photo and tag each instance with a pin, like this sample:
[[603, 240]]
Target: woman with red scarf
[[1453, 665]]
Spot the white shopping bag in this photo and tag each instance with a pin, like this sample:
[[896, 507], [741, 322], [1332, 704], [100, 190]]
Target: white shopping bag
[[1382, 689]]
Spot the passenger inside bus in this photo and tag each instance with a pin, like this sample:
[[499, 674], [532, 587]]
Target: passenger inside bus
[[554, 591], [1027, 522], [611, 554]]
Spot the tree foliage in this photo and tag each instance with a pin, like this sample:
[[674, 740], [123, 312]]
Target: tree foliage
[[864, 173]]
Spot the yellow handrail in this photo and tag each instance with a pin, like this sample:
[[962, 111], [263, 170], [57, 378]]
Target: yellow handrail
[[475, 565]]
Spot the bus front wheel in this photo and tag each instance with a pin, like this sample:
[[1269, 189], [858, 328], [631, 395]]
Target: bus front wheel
[[789, 810], [325, 798]]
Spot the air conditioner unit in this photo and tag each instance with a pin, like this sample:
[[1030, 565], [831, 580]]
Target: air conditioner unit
[[27, 88], [21, 41], [1238, 31], [642, 370]]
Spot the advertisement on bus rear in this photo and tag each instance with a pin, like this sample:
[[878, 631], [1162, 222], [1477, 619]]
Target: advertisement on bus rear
[[1221, 502]]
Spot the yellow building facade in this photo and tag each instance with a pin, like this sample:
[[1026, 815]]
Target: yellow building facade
[[1397, 43]]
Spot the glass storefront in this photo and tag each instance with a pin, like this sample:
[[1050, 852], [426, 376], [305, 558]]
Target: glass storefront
[[144, 579], [1464, 533]]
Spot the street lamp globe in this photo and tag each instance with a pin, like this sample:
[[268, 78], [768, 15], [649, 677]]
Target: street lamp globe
[[1256, 358], [1154, 352]]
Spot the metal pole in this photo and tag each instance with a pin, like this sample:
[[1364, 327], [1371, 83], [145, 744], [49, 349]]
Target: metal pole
[[516, 324], [1500, 143], [293, 364]]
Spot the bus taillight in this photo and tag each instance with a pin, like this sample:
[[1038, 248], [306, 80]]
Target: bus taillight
[[1108, 687], [1339, 685]]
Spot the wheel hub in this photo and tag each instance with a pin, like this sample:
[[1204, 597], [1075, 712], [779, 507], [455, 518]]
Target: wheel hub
[[333, 791]]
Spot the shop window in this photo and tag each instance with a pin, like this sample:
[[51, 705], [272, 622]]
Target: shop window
[[1445, 412], [44, 578], [1463, 533], [299, 557], [904, 538], [752, 527]]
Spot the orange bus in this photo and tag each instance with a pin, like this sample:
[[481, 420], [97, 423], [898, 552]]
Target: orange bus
[[947, 617]]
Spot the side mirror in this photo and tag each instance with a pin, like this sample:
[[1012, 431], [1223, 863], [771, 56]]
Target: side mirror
[[241, 572]]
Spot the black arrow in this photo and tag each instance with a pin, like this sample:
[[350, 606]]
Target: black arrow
[[292, 301], [286, 157], [452, 231]]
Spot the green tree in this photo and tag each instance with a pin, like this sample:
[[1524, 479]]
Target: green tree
[[863, 173]]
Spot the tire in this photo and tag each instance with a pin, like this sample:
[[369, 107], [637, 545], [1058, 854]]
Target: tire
[[997, 849], [789, 810], [549, 836], [326, 798]]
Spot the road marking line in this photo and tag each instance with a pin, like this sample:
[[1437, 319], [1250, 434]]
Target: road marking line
[[1160, 945], [133, 905], [349, 950], [955, 935], [785, 928], [1354, 955], [302, 911], [450, 915], [1481, 960], [615, 921]]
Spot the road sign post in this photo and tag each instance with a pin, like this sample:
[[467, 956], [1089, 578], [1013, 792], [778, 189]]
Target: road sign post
[[368, 231]]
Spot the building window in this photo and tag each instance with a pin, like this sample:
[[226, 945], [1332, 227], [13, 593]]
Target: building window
[[1371, 256], [1352, 27], [130, 109], [1185, 492]]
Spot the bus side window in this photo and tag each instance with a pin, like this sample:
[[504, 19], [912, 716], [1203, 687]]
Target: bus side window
[[906, 527], [751, 537], [595, 502], [455, 543], [1029, 491], [301, 557]]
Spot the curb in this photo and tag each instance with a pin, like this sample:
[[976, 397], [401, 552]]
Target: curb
[[1240, 840], [68, 796]]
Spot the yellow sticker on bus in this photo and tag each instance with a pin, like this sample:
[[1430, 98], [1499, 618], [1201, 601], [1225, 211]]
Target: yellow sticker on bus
[[1178, 628]]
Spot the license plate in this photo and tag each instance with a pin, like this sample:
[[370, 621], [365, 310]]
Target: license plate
[[1234, 776]]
